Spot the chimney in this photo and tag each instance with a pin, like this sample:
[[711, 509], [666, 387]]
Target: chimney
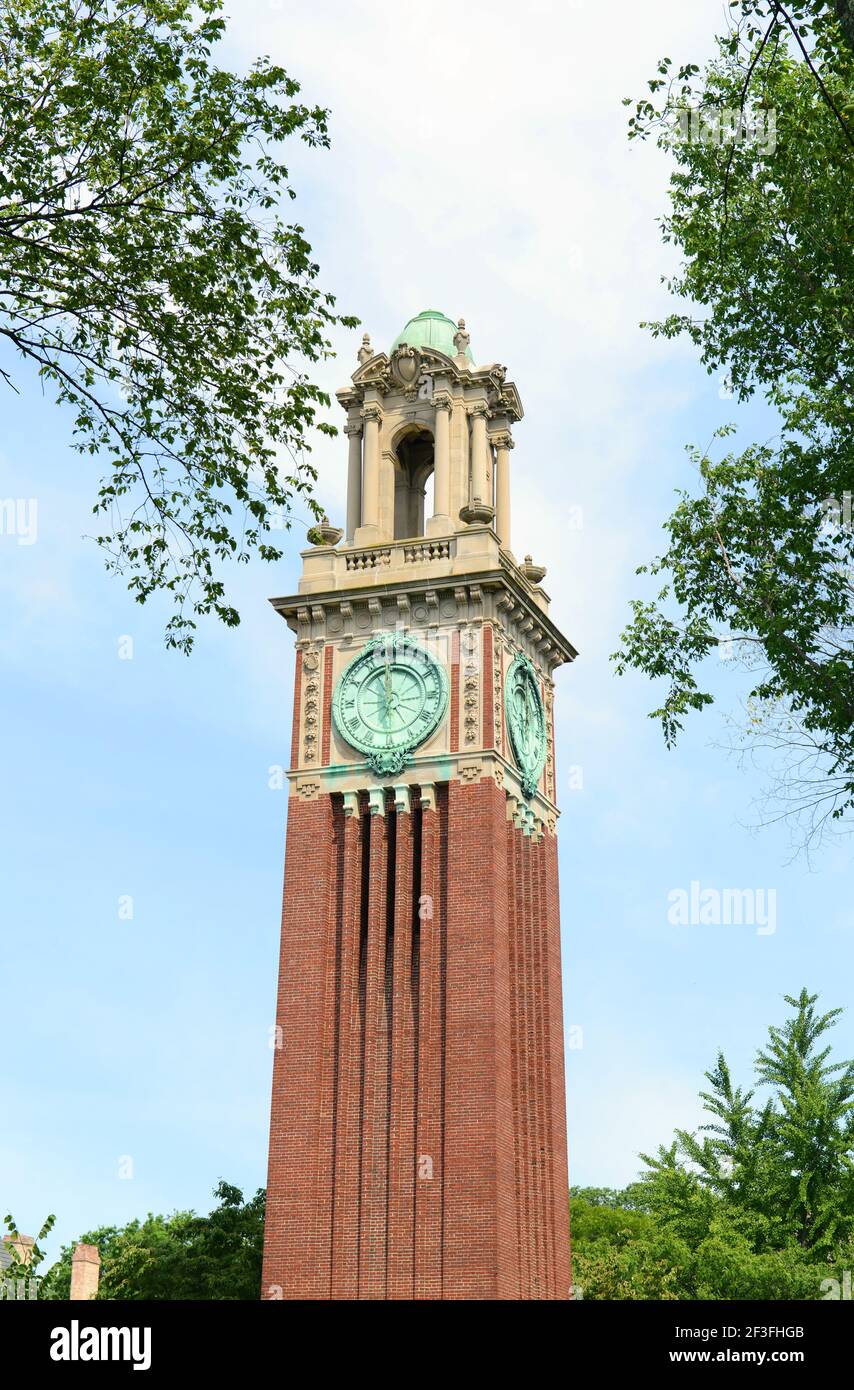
[[85, 1271]]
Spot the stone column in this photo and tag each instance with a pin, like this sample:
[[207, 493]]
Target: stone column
[[440, 524], [480, 509], [354, 478], [85, 1272], [503, 444], [478, 452], [368, 532]]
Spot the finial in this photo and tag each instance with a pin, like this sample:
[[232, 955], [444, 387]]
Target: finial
[[324, 533], [533, 573], [477, 513], [365, 352], [461, 338]]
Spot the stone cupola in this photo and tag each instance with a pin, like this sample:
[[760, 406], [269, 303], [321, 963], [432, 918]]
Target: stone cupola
[[425, 409]]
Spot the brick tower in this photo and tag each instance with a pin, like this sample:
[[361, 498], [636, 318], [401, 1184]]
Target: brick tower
[[418, 1136]]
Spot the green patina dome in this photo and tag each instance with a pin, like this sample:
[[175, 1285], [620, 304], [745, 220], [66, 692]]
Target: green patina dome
[[430, 329]]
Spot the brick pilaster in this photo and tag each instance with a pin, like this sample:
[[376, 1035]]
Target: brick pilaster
[[480, 1216], [401, 1177], [375, 1096], [431, 1053], [348, 1128], [554, 1023]]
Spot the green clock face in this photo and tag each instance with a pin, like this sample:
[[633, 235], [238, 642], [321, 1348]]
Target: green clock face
[[526, 722], [389, 700]]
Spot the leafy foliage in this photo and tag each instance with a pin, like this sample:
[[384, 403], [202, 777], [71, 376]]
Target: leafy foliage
[[761, 555], [758, 1204], [23, 1269], [147, 273], [182, 1256]]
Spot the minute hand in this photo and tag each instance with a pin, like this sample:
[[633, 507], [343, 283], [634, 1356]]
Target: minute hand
[[387, 685]]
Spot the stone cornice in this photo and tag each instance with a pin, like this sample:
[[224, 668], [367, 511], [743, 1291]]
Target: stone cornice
[[377, 375], [499, 595]]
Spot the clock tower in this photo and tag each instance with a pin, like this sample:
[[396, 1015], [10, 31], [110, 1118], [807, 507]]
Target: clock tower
[[418, 1132]]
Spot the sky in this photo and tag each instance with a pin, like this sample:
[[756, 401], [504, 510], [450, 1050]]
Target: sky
[[479, 165]]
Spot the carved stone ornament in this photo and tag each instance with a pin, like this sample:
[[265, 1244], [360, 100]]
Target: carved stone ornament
[[533, 573], [462, 338], [324, 533], [406, 366], [477, 513]]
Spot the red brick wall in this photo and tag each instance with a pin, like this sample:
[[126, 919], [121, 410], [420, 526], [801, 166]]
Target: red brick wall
[[326, 696], [348, 1000], [417, 1145], [454, 717], [553, 1014], [430, 1078], [298, 1231], [404, 1022], [480, 1216]]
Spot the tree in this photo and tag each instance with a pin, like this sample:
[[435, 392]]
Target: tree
[[149, 277], [758, 1204], [784, 1172], [811, 1132], [761, 554], [18, 1268], [178, 1257]]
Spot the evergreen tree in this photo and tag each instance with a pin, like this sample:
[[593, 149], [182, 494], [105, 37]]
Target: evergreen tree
[[758, 1203]]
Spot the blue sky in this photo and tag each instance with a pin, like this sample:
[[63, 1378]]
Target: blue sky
[[479, 166]]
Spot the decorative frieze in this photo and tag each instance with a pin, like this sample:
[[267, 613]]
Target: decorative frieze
[[470, 667], [497, 696], [445, 603]]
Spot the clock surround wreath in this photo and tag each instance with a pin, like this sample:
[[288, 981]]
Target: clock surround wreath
[[391, 697]]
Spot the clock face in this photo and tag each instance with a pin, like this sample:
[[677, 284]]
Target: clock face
[[526, 722], [389, 700]]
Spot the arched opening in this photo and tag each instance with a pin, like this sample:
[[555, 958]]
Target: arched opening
[[413, 474]]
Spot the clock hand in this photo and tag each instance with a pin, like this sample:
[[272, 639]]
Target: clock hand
[[387, 689]]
